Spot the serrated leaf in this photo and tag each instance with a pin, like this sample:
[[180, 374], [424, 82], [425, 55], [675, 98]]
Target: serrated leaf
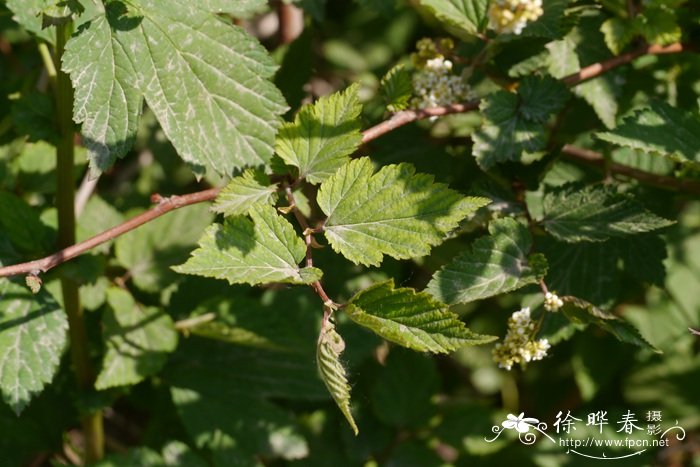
[[660, 129], [32, 338], [580, 311], [512, 123], [27, 13], [137, 340], [149, 252], [244, 193], [258, 252], [323, 135], [618, 34], [394, 212], [658, 24], [573, 213], [107, 101], [583, 46], [551, 24], [494, 264], [330, 347], [541, 97], [397, 88], [206, 81], [467, 15], [412, 319]]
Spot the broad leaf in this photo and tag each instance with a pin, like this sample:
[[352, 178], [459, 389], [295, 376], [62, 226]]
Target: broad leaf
[[258, 252], [394, 212], [412, 319], [583, 46], [27, 13], [397, 88], [21, 224], [137, 340], [330, 347], [32, 338], [244, 193], [467, 15], [512, 123], [206, 81], [322, 136], [581, 312], [494, 264], [574, 213], [660, 129]]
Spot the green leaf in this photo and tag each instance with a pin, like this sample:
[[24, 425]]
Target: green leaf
[[27, 13], [618, 34], [494, 264], [512, 123], [244, 193], [141, 456], [658, 24], [660, 129], [33, 115], [394, 212], [323, 135], [412, 319], [149, 252], [32, 338], [468, 15], [541, 97], [238, 8], [330, 347], [397, 88], [581, 312], [402, 392], [258, 252], [575, 213], [97, 216], [206, 81], [22, 225], [583, 46], [137, 338], [552, 23], [585, 270]]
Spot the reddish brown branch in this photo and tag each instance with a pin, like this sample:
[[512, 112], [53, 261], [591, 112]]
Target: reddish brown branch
[[304, 224], [398, 119], [661, 181], [598, 69], [164, 205]]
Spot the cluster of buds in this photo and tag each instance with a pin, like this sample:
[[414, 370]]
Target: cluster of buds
[[434, 84], [518, 345], [511, 16], [552, 302]]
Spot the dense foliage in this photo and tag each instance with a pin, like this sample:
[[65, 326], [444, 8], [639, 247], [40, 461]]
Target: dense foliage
[[346, 233]]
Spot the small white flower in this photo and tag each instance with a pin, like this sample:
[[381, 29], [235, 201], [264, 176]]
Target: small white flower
[[511, 16], [552, 302]]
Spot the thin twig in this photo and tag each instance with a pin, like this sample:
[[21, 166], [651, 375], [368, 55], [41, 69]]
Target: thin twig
[[397, 120], [164, 205], [660, 181], [308, 239], [86, 189]]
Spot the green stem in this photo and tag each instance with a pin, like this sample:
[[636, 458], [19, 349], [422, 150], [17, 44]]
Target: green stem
[[65, 203]]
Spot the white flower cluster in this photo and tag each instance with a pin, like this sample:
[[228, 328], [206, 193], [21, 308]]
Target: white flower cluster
[[434, 84], [552, 302], [511, 16], [518, 346]]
